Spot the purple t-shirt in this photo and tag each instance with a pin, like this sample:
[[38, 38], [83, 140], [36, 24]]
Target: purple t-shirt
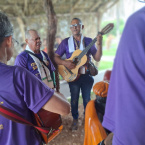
[[63, 48], [26, 61], [125, 107], [22, 92]]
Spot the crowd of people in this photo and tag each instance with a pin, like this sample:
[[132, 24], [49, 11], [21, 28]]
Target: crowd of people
[[29, 85]]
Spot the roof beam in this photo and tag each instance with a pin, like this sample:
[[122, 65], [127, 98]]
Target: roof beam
[[111, 5], [95, 6], [75, 5], [25, 6]]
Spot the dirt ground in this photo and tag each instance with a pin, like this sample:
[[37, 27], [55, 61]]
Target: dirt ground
[[68, 137]]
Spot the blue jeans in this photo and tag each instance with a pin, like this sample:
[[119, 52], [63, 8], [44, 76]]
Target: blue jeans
[[84, 83]]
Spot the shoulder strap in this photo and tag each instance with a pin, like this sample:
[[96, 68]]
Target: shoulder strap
[[36, 56], [51, 73], [14, 116]]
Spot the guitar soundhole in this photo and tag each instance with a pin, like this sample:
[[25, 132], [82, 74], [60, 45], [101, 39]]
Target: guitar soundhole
[[76, 60]]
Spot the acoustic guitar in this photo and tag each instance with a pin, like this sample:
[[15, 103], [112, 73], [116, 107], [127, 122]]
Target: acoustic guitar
[[79, 58]]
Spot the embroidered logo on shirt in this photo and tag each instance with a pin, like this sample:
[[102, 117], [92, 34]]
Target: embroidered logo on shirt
[[1, 126], [34, 66]]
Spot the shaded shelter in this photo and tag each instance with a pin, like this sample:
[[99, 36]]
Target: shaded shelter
[[24, 11]]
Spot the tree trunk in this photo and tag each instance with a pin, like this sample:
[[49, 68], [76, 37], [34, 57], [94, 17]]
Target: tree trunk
[[99, 19], [52, 27], [22, 27]]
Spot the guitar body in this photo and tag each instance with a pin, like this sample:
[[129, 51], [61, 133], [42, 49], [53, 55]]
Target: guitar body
[[49, 120], [71, 75]]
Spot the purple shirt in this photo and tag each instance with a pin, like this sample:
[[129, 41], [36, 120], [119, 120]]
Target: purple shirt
[[125, 108], [22, 92], [26, 61], [63, 48]]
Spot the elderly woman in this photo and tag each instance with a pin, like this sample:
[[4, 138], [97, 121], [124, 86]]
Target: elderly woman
[[23, 93]]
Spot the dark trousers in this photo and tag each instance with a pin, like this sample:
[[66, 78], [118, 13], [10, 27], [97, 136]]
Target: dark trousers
[[84, 83]]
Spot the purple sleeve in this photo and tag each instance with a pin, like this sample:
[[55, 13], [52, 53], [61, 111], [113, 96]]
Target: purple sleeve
[[21, 61], [61, 50], [34, 92], [93, 49]]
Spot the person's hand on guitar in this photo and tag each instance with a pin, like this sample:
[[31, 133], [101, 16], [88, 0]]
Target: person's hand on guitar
[[69, 64]]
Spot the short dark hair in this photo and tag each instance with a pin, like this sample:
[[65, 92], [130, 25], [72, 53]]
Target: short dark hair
[[6, 28], [77, 19]]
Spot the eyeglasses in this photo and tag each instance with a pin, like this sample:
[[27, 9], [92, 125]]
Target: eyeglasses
[[15, 42], [75, 25], [142, 1], [36, 39]]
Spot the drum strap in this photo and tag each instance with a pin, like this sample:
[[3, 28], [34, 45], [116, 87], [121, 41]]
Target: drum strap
[[16, 117]]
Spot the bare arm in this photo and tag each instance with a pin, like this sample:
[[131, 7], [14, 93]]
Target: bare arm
[[68, 63], [108, 140], [57, 104], [98, 54]]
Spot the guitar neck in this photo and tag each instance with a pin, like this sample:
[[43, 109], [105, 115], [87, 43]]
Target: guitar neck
[[87, 49]]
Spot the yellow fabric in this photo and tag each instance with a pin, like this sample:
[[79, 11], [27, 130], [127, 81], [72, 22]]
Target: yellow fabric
[[94, 131]]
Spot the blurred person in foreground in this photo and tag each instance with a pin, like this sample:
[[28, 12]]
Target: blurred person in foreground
[[23, 93], [125, 107]]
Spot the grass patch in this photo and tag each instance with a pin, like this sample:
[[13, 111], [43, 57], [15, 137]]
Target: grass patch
[[111, 52], [105, 65], [60, 77]]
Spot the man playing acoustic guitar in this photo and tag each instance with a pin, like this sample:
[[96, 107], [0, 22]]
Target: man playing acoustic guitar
[[85, 81]]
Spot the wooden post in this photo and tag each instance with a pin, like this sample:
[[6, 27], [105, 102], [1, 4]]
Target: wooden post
[[99, 18], [52, 28], [22, 27]]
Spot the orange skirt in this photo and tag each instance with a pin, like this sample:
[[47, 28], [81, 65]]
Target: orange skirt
[[94, 131]]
